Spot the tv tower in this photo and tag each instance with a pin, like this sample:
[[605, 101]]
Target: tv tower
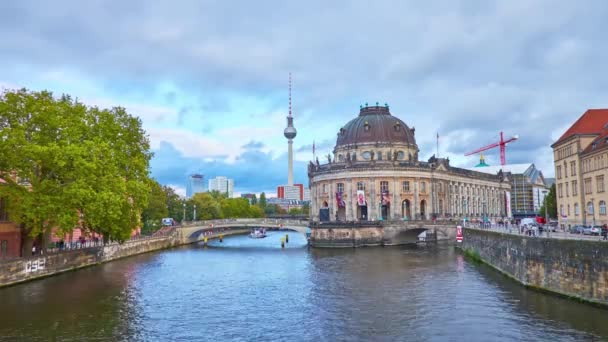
[[290, 133]]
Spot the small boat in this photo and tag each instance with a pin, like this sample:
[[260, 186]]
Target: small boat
[[258, 233]]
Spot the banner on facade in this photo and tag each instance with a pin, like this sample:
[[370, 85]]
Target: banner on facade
[[339, 200], [508, 204], [386, 200], [361, 198]]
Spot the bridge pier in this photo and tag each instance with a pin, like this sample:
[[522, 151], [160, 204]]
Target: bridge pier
[[378, 233]]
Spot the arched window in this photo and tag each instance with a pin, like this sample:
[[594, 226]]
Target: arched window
[[590, 208], [602, 207], [400, 155]]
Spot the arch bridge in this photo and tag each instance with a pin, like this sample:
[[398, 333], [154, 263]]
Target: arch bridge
[[193, 231]]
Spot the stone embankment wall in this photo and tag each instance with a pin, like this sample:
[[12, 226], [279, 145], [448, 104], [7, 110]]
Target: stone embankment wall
[[573, 268], [24, 269], [376, 234]]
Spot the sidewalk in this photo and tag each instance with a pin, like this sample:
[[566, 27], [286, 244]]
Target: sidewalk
[[514, 230]]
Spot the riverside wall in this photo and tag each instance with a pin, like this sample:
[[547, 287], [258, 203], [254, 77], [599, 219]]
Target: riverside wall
[[34, 267], [360, 234], [574, 268]]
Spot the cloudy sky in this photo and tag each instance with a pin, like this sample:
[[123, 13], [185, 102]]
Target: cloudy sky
[[209, 78]]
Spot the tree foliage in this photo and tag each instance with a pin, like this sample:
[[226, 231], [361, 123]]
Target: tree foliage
[[215, 205], [67, 164], [156, 209], [550, 203]]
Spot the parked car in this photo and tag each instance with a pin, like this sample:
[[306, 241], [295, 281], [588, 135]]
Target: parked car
[[551, 226], [578, 229], [596, 230]]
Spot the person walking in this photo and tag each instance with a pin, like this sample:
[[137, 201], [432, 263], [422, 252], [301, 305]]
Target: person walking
[[605, 232]]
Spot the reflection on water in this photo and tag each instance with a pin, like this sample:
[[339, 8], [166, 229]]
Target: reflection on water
[[250, 289]]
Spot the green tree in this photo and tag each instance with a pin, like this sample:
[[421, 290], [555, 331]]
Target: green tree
[[549, 203], [295, 211], [175, 204], [262, 202], [65, 164], [208, 206], [254, 200], [306, 208], [156, 209]]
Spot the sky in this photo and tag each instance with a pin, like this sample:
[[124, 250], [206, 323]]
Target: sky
[[209, 79]]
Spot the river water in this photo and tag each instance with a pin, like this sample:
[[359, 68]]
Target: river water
[[251, 290]]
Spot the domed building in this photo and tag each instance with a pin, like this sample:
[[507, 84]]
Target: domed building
[[376, 175]]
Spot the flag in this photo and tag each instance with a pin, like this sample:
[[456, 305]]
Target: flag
[[313, 147], [437, 135]]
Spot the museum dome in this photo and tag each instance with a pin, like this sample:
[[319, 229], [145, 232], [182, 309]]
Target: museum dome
[[375, 124]]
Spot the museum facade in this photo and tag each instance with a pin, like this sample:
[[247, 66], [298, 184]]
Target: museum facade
[[376, 175]]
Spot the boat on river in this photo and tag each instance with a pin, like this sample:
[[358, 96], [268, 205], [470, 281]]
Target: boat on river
[[257, 233]]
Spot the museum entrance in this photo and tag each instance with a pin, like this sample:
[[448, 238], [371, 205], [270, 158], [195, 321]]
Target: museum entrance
[[384, 211], [423, 209], [406, 211], [341, 214], [362, 212]]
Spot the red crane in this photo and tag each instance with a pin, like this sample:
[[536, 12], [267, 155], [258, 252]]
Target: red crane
[[502, 144]]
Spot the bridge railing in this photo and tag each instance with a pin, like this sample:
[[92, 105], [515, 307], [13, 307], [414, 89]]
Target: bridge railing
[[210, 223]]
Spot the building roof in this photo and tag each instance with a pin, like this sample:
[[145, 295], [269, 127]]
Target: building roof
[[375, 124], [599, 143], [591, 122]]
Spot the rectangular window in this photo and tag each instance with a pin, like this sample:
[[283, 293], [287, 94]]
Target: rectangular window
[[324, 188], [587, 186], [361, 186], [383, 186], [340, 187], [576, 209], [3, 210], [406, 186], [567, 192], [559, 191], [574, 188], [422, 187], [379, 155], [600, 183], [565, 170], [559, 172], [573, 168]]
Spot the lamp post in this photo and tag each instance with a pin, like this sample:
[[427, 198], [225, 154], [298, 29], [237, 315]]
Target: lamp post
[[483, 212], [464, 212], [184, 217], [593, 211], [194, 215], [546, 214]]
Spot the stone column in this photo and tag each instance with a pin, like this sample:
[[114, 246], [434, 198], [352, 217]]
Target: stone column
[[352, 199], [396, 205], [331, 201], [416, 199], [371, 205]]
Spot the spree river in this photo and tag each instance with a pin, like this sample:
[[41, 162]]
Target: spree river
[[251, 290]]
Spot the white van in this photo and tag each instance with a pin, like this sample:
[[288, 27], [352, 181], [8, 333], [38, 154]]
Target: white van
[[528, 221]]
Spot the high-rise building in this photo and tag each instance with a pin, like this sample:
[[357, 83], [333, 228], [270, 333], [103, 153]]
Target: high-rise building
[[222, 184], [196, 184], [292, 192]]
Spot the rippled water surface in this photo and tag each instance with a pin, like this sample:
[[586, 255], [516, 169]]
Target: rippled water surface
[[251, 290]]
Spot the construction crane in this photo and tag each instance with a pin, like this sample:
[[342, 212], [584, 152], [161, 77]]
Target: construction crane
[[502, 144]]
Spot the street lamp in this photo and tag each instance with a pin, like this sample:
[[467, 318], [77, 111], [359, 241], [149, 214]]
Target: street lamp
[[194, 216], [546, 214], [593, 210], [184, 217], [483, 212], [464, 212]]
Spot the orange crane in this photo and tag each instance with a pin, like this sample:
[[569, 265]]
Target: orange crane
[[502, 144]]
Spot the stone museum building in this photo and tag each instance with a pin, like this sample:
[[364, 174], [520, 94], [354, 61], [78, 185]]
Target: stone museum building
[[376, 175]]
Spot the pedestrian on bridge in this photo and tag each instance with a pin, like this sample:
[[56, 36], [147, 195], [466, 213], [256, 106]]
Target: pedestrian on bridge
[[605, 232]]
